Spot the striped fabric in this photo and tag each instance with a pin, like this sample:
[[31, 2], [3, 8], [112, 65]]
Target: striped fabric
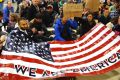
[[94, 53]]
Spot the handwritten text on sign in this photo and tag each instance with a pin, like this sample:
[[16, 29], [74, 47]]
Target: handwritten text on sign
[[72, 10]]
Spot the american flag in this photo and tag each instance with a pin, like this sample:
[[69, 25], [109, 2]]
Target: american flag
[[94, 53]]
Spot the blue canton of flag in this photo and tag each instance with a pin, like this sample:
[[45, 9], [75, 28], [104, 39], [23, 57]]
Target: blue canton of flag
[[20, 41]]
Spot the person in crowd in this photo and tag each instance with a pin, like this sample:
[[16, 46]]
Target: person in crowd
[[118, 8], [63, 27], [105, 17], [6, 12], [116, 28], [56, 6], [34, 8], [13, 19], [60, 15], [85, 24], [21, 34], [108, 3], [1, 4], [44, 3], [113, 10], [48, 16], [50, 2], [102, 1], [1, 20], [88, 24], [102, 7], [70, 1], [22, 40], [18, 2], [112, 23], [61, 3], [84, 13], [3, 37], [23, 8], [63, 32], [39, 29], [2, 34]]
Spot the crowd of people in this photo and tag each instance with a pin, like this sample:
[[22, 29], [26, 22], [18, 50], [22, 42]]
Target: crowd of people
[[33, 18], [42, 14]]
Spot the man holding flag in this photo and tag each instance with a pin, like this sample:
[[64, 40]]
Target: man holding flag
[[22, 40]]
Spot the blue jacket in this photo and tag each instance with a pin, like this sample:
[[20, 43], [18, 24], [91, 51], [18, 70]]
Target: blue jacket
[[58, 26], [6, 13]]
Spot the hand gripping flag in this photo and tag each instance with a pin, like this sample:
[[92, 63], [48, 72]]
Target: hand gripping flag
[[97, 52]]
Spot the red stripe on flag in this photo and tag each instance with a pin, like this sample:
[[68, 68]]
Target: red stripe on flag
[[71, 42], [86, 54], [4, 76], [91, 59], [60, 66], [7, 65], [89, 39], [26, 59], [16, 77], [85, 48]]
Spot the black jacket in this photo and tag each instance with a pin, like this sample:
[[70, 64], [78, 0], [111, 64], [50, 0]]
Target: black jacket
[[85, 25], [32, 11], [104, 19], [116, 28], [40, 27], [48, 18], [24, 12]]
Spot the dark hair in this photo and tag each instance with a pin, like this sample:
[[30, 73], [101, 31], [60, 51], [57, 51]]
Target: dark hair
[[38, 16], [1, 13], [61, 12], [15, 17], [106, 9], [20, 19], [114, 20], [90, 13]]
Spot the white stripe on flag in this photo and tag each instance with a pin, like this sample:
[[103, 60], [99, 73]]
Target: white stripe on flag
[[88, 50], [27, 64], [77, 60], [87, 44]]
